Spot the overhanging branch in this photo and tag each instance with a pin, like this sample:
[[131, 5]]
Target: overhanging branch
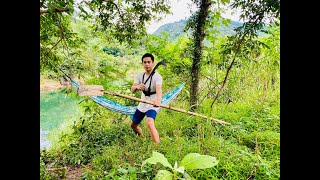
[[43, 11]]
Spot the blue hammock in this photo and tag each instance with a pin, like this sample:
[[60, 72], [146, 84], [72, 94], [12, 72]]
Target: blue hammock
[[129, 110]]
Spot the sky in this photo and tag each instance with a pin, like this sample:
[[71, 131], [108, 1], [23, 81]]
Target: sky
[[181, 10]]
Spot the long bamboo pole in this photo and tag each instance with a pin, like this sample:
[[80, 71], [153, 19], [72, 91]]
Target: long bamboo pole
[[166, 106]]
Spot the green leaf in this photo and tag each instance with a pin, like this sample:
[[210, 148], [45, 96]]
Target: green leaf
[[164, 175], [124, 171], [198, 161], [157, 158], [226, 22]]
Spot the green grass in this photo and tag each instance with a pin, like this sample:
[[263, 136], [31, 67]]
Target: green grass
[[103, 145]]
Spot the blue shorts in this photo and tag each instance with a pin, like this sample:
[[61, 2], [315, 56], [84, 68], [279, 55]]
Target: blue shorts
[[138, 115]]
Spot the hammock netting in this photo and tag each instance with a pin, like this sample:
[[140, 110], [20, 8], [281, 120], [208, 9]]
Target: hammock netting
[[129, 110]]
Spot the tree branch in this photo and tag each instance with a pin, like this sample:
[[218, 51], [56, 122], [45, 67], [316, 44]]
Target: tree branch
[[43, 11], [60, 27], [48, 52], [209, 78], [259, 17], [118, 10]]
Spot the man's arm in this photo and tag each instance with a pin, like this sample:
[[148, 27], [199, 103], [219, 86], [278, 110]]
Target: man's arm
[[159, 95], [135, 86]]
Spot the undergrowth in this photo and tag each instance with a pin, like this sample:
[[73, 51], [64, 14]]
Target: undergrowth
[[102, 143]]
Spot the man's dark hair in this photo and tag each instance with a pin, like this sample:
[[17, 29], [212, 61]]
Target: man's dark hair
[[147, 55]]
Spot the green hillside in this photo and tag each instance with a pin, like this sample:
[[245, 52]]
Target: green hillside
[[175, 29]]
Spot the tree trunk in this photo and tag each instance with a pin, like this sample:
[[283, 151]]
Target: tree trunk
[[198, 35]]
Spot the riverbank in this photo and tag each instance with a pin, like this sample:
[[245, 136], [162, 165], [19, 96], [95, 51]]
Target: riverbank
[[49, 85], [55, 106]]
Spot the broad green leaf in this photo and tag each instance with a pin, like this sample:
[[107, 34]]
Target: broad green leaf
[[164, 175], [157, 158], [198, 161]]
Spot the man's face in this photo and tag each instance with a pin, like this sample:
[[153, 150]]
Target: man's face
[[147, 63]]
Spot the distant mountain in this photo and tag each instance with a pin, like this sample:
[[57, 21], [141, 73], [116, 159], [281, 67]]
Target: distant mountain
[[175, 29]]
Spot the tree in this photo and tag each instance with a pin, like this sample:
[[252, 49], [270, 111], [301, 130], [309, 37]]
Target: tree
[[198, 37], [257, 13], [124, 21], [55, 18]]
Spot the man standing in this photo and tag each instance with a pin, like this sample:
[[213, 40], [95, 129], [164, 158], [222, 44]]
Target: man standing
[[151, 91]]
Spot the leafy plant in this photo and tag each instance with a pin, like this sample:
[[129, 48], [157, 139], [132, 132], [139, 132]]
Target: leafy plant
[[190, 161]]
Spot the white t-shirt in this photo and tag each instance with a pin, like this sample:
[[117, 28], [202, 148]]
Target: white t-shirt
[[156, 79]]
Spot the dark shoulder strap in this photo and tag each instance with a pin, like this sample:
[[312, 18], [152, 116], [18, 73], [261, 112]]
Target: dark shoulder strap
[[149, 89], [152, 73], [143, 78], [154, 69]]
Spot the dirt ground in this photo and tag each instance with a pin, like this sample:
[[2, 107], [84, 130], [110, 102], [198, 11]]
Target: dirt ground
[[73, 173], [47, 85]]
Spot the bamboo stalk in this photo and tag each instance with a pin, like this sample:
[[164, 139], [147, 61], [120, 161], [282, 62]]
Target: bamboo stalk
[[165, 106]]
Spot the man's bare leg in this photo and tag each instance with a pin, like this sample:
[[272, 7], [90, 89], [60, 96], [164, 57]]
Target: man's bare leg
[[137, 129], [152, 129]]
